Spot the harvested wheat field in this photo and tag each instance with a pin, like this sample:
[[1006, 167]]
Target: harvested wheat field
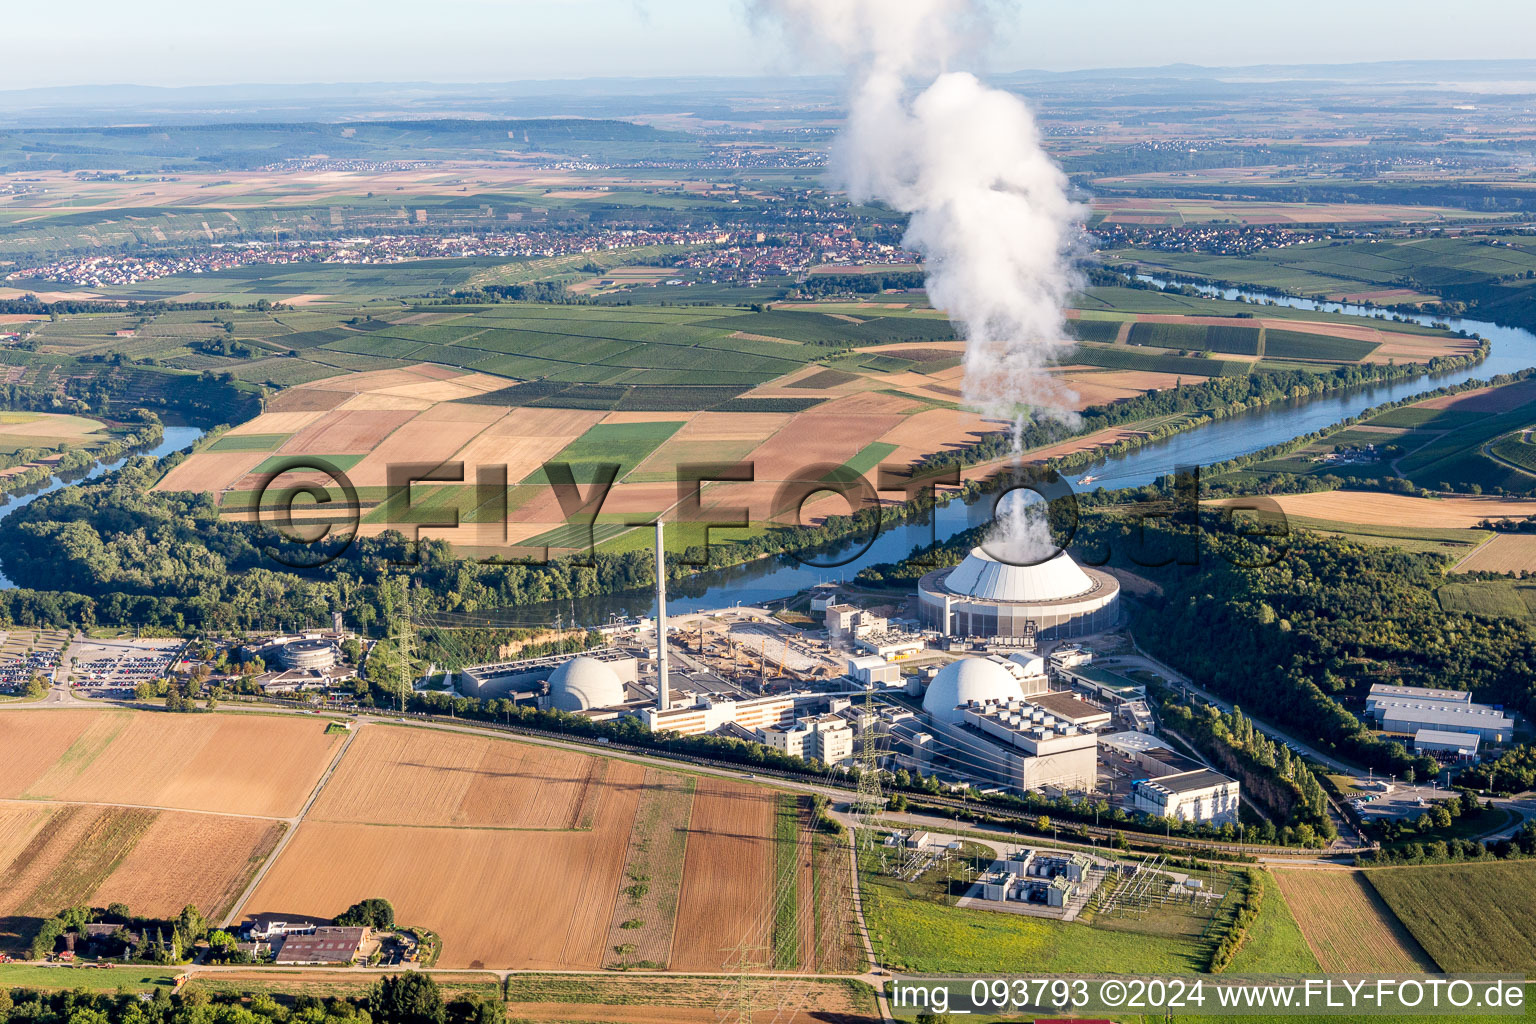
[[429, 439], [1398, 509], [68, 857], [396, 775], [344, 432], [1505, 552], [727, 875], [206, 860], [175, 761], [277, 423], [33, 740], [499, 898], [1347, 925]]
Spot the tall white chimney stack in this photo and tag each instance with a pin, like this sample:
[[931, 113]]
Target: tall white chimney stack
[[663, 694]]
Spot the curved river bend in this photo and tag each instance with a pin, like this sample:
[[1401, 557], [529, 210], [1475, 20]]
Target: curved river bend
[[1512, 349]]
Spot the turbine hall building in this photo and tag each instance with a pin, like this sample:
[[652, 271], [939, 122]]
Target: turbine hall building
[[1053, 600]]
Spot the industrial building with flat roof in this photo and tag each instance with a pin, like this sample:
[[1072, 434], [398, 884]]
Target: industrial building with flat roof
[[709, 713], [1396, 714], [571, 687], [1202, 794], [1384, 691], [1441, 741]]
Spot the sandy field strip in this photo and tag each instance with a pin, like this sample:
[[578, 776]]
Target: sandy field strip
[[181, 761], [394, 775], [206, 860], [373, 401], [1505, 552], [727, 875], [499, 898], [1399, 509], [211, 471], [344, 432], [1348, 927], [305, 400]]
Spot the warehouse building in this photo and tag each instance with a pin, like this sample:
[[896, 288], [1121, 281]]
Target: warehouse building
[[1404, 715], [873, 670], [1440, 741]]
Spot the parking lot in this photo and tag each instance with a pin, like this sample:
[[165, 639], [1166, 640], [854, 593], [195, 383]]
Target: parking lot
[[25, 651], [116, 666]]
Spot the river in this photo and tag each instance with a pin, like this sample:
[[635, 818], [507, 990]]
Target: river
[[1512, 349], [174, 439]]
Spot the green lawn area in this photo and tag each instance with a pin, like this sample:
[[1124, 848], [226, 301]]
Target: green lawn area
[[135, 977], [1274, 944], [1469, 917]]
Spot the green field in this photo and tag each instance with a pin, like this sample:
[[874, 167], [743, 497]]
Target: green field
[[1469, 917], [1505, 599], [1223, 338], [1301, 345], [1274, 944], [135, 977], [627, 444], [1121, 357]]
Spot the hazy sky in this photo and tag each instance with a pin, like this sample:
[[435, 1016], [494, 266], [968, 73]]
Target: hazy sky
[[197, 42]]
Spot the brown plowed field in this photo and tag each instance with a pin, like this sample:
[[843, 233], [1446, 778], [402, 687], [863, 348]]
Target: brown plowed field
[[206, 860], [513, 899], [1347, 925], [210, 471], [727, 875], [394, 775], [236, 764], [33, 741], [429, 438]]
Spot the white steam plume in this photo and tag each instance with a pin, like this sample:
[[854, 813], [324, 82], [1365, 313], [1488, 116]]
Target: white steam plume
[[990, 212]]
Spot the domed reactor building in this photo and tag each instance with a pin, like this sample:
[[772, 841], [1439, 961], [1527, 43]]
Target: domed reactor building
[[1054, 600]]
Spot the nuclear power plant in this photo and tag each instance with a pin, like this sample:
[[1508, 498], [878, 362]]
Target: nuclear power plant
[[1053, 600]]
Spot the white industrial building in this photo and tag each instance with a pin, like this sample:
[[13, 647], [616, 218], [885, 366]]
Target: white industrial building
[[1199, 795], [825, 737], [985, 597], [707, 714], [1440, 741], [1409, 715], [873, 670], [981, 721]]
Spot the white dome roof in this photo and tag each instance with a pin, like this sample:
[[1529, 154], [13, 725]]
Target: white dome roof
[[583, 683], [983, 577], [963, 681]]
